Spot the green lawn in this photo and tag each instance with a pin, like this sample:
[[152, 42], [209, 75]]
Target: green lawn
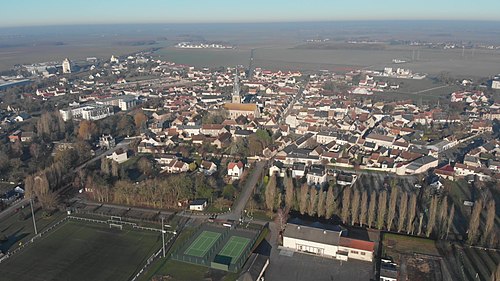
[[396, 244], [83, 251], [18, 227]]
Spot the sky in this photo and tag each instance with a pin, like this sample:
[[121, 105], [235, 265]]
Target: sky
[[68, 12]]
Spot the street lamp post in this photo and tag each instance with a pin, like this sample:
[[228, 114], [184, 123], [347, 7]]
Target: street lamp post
[[33, 216], [163, 236]]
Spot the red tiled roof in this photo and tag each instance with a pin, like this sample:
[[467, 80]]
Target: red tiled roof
[[357, 244], [232, 165]]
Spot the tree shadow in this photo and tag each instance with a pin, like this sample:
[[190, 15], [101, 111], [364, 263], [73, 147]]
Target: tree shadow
[[12, 240]]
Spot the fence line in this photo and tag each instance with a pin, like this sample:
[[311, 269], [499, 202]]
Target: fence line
[[152, 258]]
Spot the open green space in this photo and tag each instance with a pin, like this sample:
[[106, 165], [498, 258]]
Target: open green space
[[202, 244], [401, 244], [234, 247], [83, 251], [18, 226]]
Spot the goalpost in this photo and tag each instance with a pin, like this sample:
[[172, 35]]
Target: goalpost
[[116, 218], [115, 225]]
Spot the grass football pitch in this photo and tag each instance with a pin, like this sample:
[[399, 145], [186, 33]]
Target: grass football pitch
[[202, 244], [234, 247], [83, 251]]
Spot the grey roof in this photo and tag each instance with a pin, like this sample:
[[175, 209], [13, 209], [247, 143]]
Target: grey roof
[[420, 162], [318, 170], [313, 234], [299, 166], [255, 264], [303, 138]]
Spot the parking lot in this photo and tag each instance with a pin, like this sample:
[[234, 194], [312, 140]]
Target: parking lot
[[286, 265]]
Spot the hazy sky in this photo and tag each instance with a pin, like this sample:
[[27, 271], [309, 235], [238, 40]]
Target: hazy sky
[[51, 12]]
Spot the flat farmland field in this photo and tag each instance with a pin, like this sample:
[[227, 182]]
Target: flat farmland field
[[83, 251]]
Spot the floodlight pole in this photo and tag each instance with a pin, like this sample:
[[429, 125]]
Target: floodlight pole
[[163, 236], [33, 216]]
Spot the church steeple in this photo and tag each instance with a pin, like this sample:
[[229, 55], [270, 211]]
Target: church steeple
[[236, 98]]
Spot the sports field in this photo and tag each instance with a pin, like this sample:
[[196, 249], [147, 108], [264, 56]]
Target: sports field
[[83, 251], [234, 247], [202, 244]]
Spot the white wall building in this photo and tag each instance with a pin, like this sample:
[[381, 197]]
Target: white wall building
[[327, 243], [87, 112], [66, 66]]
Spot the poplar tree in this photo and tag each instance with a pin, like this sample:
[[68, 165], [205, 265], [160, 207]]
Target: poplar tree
[[355, 206], [372, 209], [432, 216], [364, 208], [474, 222], [313, 199], [331, 205], [346, 200], [321, 203], [270, 193], [412, 212], [490, 220], [403, 211], [304, 190], [382, 208], [392, 207]]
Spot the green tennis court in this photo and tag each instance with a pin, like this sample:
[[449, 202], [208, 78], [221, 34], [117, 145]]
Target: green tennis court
[[235, 247], [202, 244]]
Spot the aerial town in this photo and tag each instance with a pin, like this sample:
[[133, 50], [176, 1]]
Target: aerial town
[[136, 167], [304, 145]]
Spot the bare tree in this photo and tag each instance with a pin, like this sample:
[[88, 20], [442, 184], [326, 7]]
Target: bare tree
[[313, 199], [355, 206], [321, 203], [490, 220], [48, 200], [475, 221], [432, 216], [443, 213], [412, 211], [372, 206], [331, 205], [270, 194], [304, 190], [495, 276], [420, 223], [392, 207], [289, 190], [346, 200], [281, 219], [364, 208], [382, 207], [450, 220], [403, 210]]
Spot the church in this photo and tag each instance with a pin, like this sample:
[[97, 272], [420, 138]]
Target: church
[[236, 108]]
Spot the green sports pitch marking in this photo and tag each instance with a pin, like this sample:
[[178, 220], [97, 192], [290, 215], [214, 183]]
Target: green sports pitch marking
[[202, 244], [235, 247]]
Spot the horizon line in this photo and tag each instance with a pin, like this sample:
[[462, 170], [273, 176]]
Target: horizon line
[[245, 22]]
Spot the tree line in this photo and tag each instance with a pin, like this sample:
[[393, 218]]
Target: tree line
[[389, 209]]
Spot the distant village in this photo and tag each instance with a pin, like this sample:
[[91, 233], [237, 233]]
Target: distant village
[[321, 129]]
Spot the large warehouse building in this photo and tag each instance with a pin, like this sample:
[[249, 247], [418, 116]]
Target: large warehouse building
[[332, 243]]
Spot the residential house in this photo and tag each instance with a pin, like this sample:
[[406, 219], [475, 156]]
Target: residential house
[[119, 156], [208, 167], [198, 205], [235, 170], [317, 175]]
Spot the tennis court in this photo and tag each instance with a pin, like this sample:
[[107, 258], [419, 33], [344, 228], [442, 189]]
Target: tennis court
[[202, 244], [235, 247]]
